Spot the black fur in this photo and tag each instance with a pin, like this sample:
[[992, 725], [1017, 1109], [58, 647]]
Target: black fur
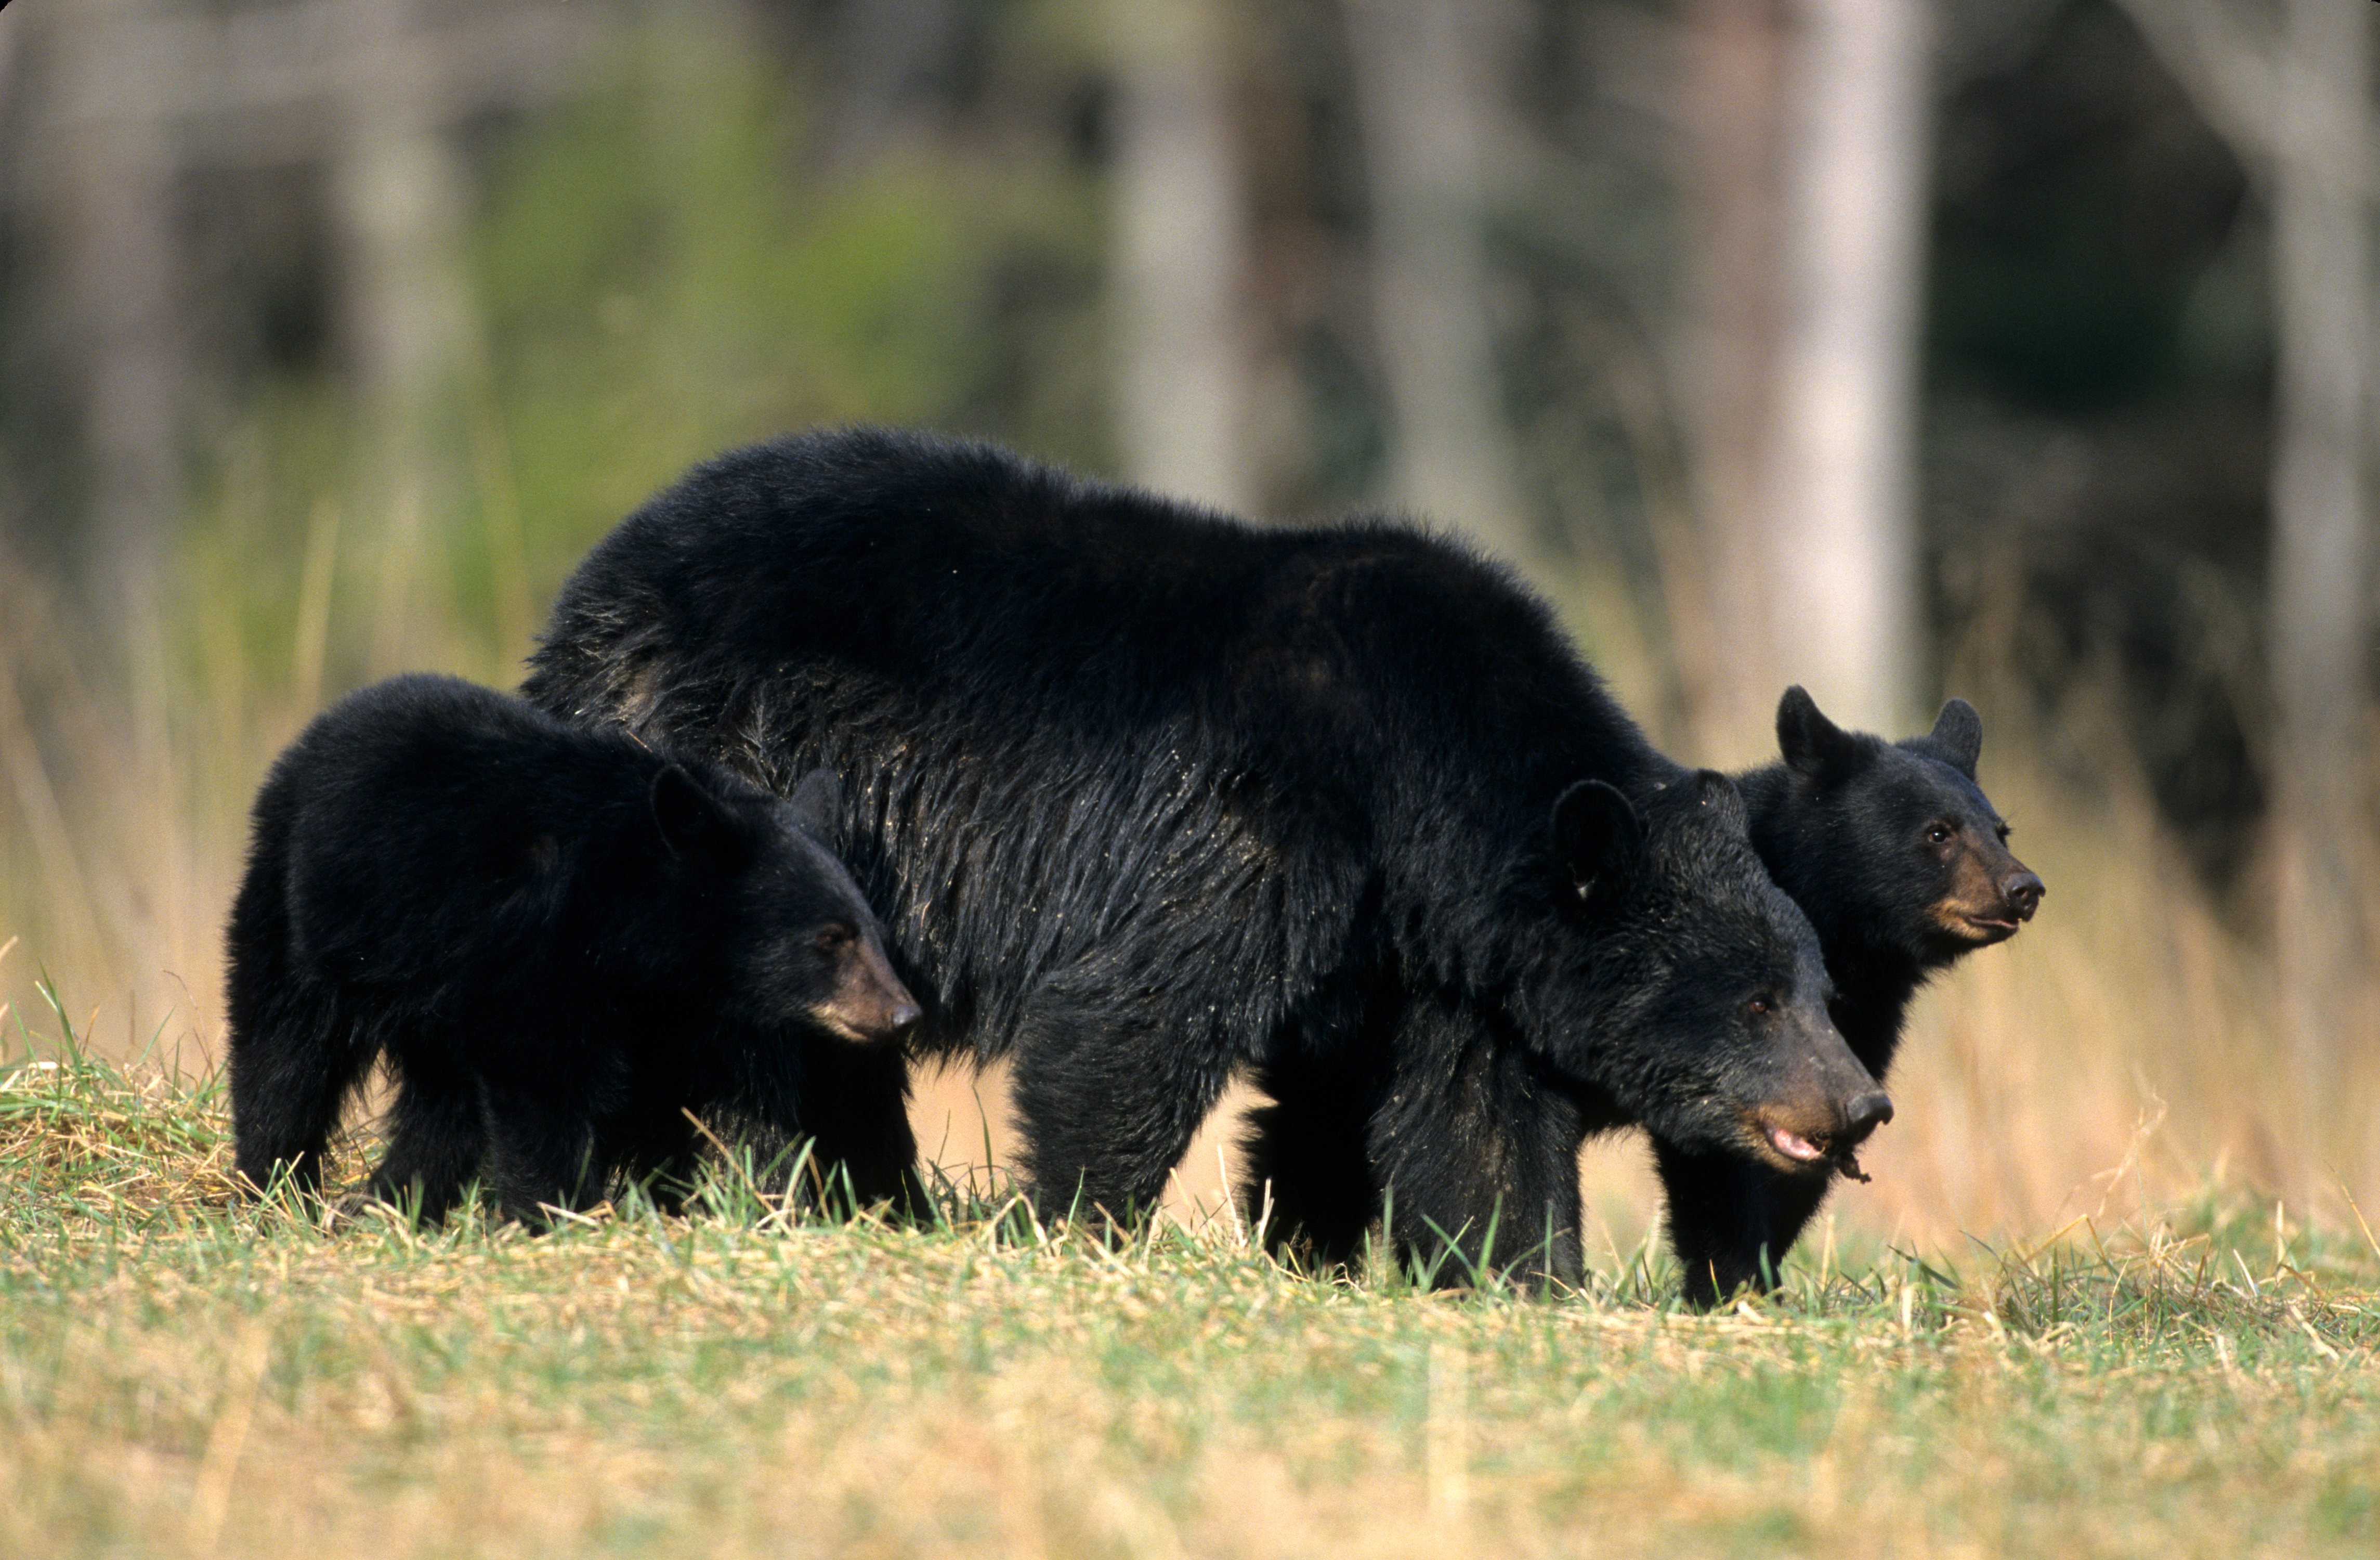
[[1899, 859], [560, 941], [1148, 794]]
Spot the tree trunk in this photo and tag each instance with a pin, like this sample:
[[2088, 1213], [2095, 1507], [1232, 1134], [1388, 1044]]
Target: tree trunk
[[400, 209], [2322, 186], [1806, 186], [1733, 88], [1840, 476], [116, 173], [1422, 95], [1181, 240]]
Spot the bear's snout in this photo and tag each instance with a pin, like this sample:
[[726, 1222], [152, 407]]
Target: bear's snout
[[870, 1005], [1863, 1115]]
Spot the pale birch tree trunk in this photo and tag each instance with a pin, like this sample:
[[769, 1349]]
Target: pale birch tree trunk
[[1733, 92], [114, 179], [1807, 183], [2320, 610], [400, 210], [1180, 247], [1840, 476], [1423, 96]]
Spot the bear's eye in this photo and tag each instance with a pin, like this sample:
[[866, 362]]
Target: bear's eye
[[1939, 834], [830, 939], [1761, 1007]]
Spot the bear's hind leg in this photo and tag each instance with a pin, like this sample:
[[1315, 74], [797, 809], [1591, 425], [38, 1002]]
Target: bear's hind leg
[[295, 1055], [436, 1141]]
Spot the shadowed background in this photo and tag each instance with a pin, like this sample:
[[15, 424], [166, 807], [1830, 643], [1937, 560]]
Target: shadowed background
[[2020, 352]]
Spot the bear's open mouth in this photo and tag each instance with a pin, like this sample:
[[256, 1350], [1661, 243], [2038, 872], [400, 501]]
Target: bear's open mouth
[[1791, 1145]]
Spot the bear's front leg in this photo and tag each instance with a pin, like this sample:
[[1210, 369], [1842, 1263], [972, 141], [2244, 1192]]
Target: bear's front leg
[[544, 1149], [436, 1141], [1731, 1220], [854, 1105], [1478, 1150], [1110, 1091]]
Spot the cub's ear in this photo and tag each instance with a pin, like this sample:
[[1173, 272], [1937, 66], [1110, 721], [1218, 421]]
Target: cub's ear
[[817, 801], [1814, 747], [1599, 840], [690, 818], [1958, 732]]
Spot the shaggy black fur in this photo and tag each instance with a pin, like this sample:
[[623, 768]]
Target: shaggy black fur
[[1148, 794], [1901, 864], [560, 941]]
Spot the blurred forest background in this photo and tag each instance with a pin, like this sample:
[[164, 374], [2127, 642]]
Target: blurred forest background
[[2019, 350]]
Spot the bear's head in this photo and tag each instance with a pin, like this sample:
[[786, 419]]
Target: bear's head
[[1692, 990], [800, 944]]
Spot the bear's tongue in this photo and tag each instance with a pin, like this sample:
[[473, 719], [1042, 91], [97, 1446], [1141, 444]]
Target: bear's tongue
[[1792, 1144]]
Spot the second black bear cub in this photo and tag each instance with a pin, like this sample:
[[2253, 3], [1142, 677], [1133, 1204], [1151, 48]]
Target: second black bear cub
[[559, 940], [1901, 863]]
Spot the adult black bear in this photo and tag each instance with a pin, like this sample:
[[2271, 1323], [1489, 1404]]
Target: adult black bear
[[561, 941], [1901, 864], [1148, 794]]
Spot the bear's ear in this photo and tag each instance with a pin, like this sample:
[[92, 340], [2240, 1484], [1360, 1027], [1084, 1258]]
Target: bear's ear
[[1814, 747], [1717, 795], [817, 801], [690, 818], [1958, 732], [1599, 841]]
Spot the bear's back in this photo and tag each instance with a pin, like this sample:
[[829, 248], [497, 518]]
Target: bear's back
[[869, 575]]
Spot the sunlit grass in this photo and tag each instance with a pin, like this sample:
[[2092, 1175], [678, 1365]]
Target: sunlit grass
[[184, 1373]]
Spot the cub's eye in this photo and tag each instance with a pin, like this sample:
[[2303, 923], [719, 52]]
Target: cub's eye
[[1939, 834], [1761, 1007], [831, 939]]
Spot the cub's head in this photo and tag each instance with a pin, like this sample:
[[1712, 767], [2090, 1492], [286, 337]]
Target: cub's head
[[1894, 844], [800, 942]]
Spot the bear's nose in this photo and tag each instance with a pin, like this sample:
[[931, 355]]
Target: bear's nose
[[902, 1018], [2023, 894], [1864, 1115]]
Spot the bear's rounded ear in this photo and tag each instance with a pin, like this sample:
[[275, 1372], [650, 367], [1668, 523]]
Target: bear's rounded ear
[[1719, 797], [817, 801], [690, 818], [1814, 747], [1599, 841], [1958, 732]]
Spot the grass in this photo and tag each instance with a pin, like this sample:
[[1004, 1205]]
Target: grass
[[182, 1374]]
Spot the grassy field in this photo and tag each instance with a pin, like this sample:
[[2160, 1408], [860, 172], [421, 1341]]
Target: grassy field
[[181, 1375]]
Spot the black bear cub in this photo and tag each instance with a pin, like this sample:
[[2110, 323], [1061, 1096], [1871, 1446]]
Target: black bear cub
[[561, 941], [1903, 865]]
